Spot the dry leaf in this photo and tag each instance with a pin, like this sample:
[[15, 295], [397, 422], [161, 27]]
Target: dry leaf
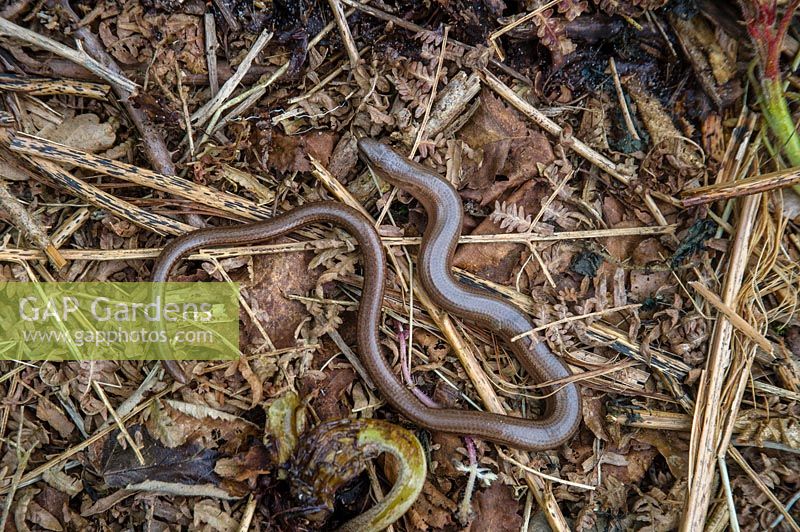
[[84, 132]]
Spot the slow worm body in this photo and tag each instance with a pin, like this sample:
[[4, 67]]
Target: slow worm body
[[443, 205]]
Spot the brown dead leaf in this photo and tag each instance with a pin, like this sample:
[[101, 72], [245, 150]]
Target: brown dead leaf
[[496, 510], [43, 518], [62, 482], [344, 157], [509, 152], [51, 414], [434, 347], [629, 468], [290, 153], [273, 277], [104, 504], [754, 427], [613, 494], [255, 382], [257, 460], [594, 415], [445, 453], [52, 503], [121, 38], [208, 512], [671, 447], [328, 404], [134, 36], [645, 283], [84, 132], [176, 423], [433, 510], [499, 261]]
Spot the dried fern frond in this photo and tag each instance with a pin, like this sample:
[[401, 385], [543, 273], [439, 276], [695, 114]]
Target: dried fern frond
[[572, 9], [630, 8], [511, 217]]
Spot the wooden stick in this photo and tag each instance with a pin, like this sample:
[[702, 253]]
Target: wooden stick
[[9, 29], [742, 187], [209, 24], [16, 255], [127, 211], [204, 113], [226, 202], [544, 122], [737, 321], [344, 33], [705, 442], [50, 87], [29, 227], [69, 226]]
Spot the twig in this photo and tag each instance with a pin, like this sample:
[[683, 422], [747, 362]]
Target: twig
[[551, 478], [128, 438], [344, 32], [127, 211], [352, 358], [204, 113], [511, 25], [741, 187], [335, 187], [29, 227], [16, 255], [210, 27], [204, 195], [248, 513], [726, 484], [17, 479], [185, 108], [130, 254], [705, 435], [51, 87], [230, 20], [575, 318], [737, 321], [9, 29], [541, 120], [623, 103], [154, 147]]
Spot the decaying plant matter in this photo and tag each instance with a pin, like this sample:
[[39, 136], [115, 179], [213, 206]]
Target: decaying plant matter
[[626, 170]]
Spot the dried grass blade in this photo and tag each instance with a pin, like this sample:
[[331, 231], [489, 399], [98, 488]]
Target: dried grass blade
[[224, 201]]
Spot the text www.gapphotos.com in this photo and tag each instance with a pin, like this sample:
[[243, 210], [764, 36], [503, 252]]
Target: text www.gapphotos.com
[[81, 338]]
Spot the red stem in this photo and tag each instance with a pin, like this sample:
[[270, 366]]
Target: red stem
[[772, 63]]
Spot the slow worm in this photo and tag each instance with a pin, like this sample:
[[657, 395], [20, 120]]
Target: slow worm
[[443, 205]]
